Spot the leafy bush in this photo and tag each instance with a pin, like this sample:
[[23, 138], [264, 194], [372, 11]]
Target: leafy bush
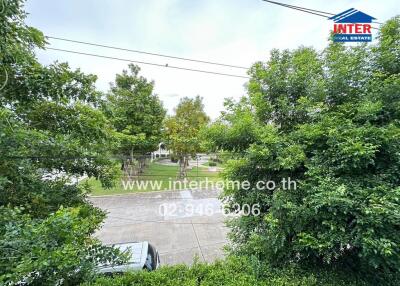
[[235, 271], [212, 164], [50, 251], [330, 122], [174, 159]]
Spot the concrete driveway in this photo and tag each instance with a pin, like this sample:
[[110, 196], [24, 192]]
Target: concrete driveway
[[181, 224]]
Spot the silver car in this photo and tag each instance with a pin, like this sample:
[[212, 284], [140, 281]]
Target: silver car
[[143, 256]]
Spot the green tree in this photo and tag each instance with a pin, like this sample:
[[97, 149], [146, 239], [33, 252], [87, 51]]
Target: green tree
[[183, 130], [136, 113], [49, 123], [329, 121]]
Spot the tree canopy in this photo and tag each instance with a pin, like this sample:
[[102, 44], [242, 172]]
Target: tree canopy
[[330, 121], [50, 124], [183, 130], [136, 113]]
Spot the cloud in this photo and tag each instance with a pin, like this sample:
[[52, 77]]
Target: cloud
[[237, 32], [171, 95]]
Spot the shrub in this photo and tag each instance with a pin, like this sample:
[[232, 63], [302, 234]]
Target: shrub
[[212, 164], [216, 160], [50, 251], [330, 122], [237, 271]]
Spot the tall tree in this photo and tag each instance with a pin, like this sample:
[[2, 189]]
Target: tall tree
[[136, 113], [183, 130]]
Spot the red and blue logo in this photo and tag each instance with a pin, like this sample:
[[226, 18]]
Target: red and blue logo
[[352, 26]]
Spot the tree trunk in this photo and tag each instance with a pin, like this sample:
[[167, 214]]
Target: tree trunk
[[142, 164], [183, 164]]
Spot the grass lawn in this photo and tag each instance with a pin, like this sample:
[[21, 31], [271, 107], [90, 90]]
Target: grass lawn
[[156, 177]]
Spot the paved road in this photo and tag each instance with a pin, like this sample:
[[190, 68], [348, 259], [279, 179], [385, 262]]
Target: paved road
[[181, 224]]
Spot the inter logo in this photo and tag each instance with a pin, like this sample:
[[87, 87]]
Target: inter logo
[[352, 26]]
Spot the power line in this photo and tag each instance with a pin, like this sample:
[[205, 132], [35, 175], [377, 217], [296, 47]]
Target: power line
[[308, 10], [146, 53], [147, 63], [301, 9], [298, 7]]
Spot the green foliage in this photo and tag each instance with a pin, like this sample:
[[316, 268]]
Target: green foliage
[[183, 130], [330, 122], [388, 49], [49, 124], [229, 272], [242, 132], [135, 112], [238, 271], [57, 249]]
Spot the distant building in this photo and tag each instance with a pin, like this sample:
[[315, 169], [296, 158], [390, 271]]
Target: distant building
[[162, 152]]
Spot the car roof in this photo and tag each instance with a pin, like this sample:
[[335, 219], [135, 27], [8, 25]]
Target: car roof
[[137, 260]]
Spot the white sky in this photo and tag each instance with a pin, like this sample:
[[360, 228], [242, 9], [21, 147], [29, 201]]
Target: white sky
[[238, 32]]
